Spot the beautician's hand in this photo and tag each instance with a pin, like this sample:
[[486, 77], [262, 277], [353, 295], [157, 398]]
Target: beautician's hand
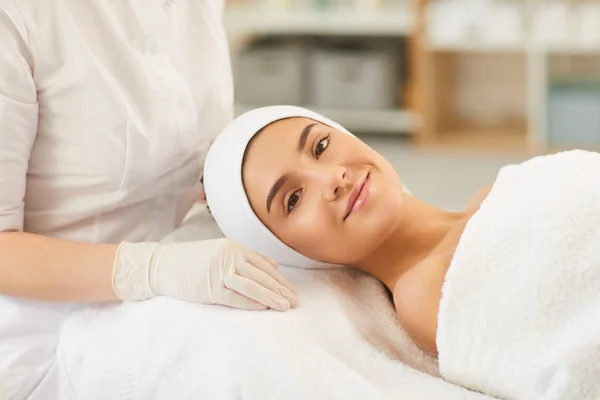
[[217, 271]]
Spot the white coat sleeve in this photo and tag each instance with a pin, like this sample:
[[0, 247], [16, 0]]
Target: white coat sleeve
[[18, 115]]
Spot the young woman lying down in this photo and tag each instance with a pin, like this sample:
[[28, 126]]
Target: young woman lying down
[[332, 198], [489, 283]]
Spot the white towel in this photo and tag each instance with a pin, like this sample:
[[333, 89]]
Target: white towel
[[520, 314], [343, 342]]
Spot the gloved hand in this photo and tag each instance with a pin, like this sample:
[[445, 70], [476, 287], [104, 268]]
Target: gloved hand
[[217, 271]]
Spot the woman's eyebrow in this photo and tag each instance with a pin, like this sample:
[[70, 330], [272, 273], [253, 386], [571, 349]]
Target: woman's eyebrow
[[274, 189], [304, 136], [281, 181]]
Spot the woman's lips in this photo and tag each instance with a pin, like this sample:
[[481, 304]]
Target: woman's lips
[[358, 197]]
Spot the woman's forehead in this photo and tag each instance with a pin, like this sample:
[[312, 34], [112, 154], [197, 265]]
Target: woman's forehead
[[276, 147], [283, 126], [281, 133]]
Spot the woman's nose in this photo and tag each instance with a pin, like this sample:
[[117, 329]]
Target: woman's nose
[[337, 181]]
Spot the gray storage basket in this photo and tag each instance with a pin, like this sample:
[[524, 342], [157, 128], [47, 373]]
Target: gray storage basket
[[574, 114], [271, 75], [353, 79]]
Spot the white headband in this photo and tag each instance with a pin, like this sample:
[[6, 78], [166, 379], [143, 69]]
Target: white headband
[[225, 192]]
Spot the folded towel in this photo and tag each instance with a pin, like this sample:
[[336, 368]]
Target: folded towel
[[520, 314]]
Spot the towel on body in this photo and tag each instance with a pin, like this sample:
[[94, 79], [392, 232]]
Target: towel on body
[[520, 313], [343, 342]]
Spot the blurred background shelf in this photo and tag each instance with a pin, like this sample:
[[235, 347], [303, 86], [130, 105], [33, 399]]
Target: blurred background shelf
[[467, 46], [365, 121], [464, 70], [501, 61], [346, 59], [569, 49], [397, 22], [495, 139], [474, 47]]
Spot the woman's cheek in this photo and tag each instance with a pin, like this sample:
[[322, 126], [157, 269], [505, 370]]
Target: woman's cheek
[[317, 240]]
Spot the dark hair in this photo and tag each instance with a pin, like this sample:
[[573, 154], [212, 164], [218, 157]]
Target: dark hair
[[249, 145], [202, 183]]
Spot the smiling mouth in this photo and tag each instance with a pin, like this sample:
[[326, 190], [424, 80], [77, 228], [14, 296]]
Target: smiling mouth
[[354, 196]]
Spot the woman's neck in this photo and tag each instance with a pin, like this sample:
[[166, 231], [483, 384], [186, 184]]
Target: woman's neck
[[417, 235]]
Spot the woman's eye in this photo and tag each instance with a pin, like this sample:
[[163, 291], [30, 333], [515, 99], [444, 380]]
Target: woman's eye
[[321, 146], [293, 201]]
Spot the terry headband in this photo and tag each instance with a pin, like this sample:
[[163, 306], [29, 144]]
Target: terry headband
[[225, 192]]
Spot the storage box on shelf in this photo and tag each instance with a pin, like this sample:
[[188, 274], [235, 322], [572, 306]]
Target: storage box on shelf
[[353, 79], [271, 75], [574, 104], [357, 88]]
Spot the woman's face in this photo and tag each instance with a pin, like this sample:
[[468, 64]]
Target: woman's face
[[324, 193]]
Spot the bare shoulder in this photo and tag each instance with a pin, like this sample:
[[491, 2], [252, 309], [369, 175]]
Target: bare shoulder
[[417, 297], [418, 292], [476, 200]]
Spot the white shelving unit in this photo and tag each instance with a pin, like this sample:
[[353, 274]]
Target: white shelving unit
[[368, 121], [339, 23], [243, 24], [536, 56], [529, 133], [537, 65], [475, 47]]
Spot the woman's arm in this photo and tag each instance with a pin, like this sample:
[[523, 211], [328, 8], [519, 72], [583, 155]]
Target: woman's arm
[[32, 266], [47, 269]]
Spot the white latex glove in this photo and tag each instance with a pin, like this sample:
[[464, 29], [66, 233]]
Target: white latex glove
[[217, 271]]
